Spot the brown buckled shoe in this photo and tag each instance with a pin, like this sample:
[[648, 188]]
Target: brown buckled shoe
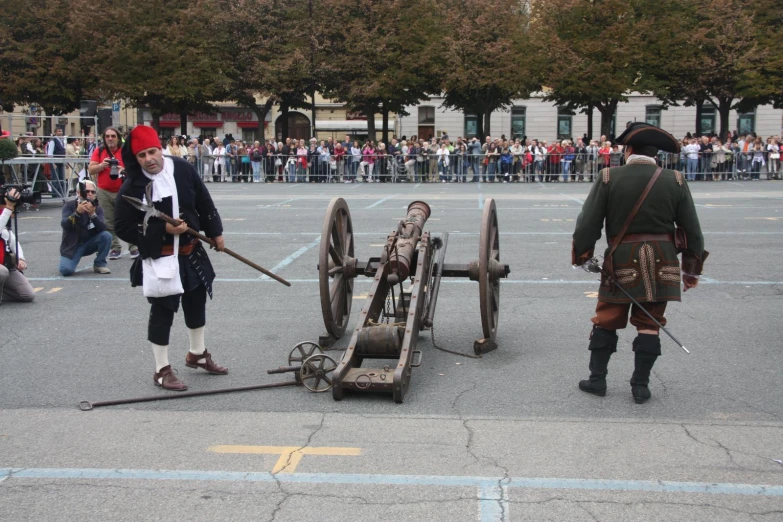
[[166, 379], [192, 361]]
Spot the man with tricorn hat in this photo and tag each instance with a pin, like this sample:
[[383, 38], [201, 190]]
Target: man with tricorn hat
[[175, 267], [649, 217]]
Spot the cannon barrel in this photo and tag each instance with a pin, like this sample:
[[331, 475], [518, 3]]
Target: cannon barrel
[[408, 236]]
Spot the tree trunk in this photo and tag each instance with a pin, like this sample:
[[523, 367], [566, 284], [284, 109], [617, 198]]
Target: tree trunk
[[724, 108], [156, 120], [283, 121], [607, 114], [589, 122], [385, 130], [261, 112], [183, 122], [312, 111], [487, 117], [369, 111]]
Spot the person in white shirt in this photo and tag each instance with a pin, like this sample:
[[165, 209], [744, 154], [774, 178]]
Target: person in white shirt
[[219, 170], [14, 286], [443, 162], [692, 154], [56, 149]]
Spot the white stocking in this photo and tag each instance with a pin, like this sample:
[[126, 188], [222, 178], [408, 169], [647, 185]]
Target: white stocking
[[161, 353]]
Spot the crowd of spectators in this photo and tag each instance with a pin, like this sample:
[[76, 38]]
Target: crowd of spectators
[[703, 158]]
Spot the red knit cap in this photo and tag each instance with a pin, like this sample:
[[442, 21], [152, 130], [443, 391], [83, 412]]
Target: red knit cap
[[143, 138]]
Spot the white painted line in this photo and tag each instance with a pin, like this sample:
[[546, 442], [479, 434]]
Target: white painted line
[[387, 198], [481, 201], [290, 259]]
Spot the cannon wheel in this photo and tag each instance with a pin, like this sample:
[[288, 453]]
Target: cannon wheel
[[489, 286], [336, 287], [302, 351], [316, 373]]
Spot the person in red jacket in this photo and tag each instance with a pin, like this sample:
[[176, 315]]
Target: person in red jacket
[[106, 163]]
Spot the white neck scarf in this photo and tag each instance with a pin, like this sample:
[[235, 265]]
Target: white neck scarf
[[639, 158]]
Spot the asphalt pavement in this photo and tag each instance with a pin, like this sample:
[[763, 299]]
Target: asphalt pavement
[[506, 437]]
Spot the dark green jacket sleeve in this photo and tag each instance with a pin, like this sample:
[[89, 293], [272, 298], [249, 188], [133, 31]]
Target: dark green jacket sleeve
[[589, 223], [694, 255]]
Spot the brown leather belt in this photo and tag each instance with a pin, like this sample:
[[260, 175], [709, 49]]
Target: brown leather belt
[[640, 238], [168, 250]]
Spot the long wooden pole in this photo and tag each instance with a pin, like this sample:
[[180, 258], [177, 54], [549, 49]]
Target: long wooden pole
[[228, 251]]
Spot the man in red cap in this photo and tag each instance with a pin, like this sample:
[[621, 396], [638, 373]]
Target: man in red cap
[[174, 265]]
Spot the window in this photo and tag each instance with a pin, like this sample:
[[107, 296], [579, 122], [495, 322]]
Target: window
[[518, 123], [564, 123], [471, 126], [249, 135], [426, 115], [746, 123], [707, 120], [653, 115]]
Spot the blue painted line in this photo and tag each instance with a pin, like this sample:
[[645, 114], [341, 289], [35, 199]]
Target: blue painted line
[[580, 201], [380, 201], [290, 259], [493, 504], [481, 201], [489, 488]]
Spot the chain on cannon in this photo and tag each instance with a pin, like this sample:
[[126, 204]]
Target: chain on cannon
[[392, 316]]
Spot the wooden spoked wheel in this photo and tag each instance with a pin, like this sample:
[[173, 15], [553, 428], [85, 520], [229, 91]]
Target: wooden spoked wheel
[[489, 269], [316, 373], [336, 267], [302, 351]]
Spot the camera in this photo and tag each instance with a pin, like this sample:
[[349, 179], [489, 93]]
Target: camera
[[114, 165], [26, 195], [83, 194]]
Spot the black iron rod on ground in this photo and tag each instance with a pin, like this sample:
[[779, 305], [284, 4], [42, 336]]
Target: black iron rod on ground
[[87, 405]]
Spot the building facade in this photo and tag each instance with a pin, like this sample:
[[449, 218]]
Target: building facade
[[536, 118]]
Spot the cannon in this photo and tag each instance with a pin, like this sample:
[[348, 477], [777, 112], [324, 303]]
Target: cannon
[[392, 316]]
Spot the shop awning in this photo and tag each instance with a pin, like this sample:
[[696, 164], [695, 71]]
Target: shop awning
[[250, 124], [208, 124], [168, 124]]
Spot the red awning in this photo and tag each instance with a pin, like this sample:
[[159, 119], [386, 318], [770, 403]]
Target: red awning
[[168, 124], [250, 124], [208, 124]]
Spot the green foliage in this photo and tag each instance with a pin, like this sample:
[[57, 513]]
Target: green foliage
[[7, 150], [482, 61], [40, 57]]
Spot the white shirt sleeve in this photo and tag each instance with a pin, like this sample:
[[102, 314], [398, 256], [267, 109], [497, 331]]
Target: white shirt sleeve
[[50, 148]]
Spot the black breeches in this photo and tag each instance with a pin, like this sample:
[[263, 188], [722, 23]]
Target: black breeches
[[163, 309]]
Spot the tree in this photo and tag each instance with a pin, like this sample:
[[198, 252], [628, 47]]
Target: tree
[[378, 61], [40, 58], [270, 59], [157, 53], [590, 53], [713, 57], [482, 60]]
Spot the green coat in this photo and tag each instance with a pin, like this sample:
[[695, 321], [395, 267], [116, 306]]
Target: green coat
[[649, 271]]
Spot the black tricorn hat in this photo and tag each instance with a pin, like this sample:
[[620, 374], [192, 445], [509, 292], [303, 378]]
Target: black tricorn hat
[[641, 134]]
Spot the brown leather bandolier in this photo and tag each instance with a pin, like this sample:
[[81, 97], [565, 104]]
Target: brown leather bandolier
[[608, 261]]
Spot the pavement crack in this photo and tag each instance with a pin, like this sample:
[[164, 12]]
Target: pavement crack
[[286, 494]]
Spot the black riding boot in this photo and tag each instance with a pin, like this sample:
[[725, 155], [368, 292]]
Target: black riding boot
[[646, 349], [603, 343]]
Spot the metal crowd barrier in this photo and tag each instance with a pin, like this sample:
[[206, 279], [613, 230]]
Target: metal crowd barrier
[[61, 180]]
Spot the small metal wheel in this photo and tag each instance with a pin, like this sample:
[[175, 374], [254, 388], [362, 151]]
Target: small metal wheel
[[316, 373], [490, 269], [302, 351], [336, 267]]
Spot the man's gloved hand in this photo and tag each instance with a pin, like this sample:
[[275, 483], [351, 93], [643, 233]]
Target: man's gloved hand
[[689, 281]]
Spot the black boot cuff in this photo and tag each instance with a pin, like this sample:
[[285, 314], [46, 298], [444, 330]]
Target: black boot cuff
[[647, 343], [603, 340]]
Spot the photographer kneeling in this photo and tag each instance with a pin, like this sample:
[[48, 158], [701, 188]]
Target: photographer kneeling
[[14, 286], [84, 232]]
